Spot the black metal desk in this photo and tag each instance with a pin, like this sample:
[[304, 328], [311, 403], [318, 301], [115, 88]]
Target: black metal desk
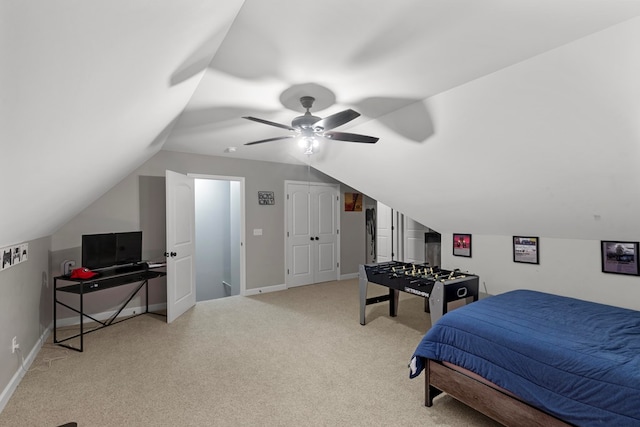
[[104, 280], [438, 287]]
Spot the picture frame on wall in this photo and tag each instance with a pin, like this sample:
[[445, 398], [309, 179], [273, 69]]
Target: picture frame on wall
[[619, 257], [526, 249], [266, 198], [353, 202], [462, 245]]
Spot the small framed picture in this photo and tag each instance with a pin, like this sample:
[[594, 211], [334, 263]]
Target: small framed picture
[[266, 198], [619, 257], [525, 249], [352, 202], [462, 244]]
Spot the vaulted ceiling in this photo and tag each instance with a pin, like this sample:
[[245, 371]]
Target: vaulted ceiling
[[494, 117]]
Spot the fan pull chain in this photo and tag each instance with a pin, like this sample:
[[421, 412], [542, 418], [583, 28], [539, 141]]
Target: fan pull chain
[[308, 174]]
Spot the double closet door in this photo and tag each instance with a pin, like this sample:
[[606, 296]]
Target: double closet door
[[312, 233]]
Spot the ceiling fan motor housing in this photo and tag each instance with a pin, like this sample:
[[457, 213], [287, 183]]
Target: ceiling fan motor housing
[[304, 122], [307, 120]]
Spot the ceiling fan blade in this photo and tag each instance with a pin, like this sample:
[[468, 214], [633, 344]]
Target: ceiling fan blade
[[277, 138], [335, 120], [351, 137], [267, 122]]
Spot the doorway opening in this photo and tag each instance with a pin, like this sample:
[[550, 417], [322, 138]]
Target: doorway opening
[[219, 229]]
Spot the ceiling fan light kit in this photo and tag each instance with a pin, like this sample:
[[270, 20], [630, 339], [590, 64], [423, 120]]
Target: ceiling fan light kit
[[309, 128], [308, 144]]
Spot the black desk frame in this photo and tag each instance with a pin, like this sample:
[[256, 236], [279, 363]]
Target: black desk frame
[[103, 281]]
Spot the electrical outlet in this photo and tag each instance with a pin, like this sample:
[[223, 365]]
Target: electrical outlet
[[14, 344]]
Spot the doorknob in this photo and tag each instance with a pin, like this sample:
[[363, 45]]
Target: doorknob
[[311, 238], [317, 238], [172, 254]]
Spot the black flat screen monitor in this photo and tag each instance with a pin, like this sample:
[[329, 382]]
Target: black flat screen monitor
[[128, 247], [111, 249]]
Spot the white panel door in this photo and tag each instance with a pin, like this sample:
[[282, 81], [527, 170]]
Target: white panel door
[[414, 247], [181, 284], [326, 206], [384, 233], [300, 237], [312, 234]]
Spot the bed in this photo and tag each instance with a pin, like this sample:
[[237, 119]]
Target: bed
[[531, 358]]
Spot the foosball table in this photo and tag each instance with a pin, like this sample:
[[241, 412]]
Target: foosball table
[[438, 286]]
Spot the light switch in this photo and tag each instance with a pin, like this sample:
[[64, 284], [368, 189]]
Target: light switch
[[257, 231]]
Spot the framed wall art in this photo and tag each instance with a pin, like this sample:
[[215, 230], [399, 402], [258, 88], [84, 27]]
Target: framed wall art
[[266, 198], [462, 244], [525, 249], [14, 255], [353, 202], [619, 257]]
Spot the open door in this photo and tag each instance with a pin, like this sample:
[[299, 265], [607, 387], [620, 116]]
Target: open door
[[181, 242]]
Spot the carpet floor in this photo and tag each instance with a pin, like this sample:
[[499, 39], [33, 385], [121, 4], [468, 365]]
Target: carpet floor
[[297, 357]]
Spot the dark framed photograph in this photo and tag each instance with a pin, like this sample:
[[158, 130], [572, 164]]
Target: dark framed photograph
[[266, 198], [462, 244], [619, 257], [525, 249]]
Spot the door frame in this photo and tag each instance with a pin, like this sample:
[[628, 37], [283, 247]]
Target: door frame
[[243, 252], [286, 223]]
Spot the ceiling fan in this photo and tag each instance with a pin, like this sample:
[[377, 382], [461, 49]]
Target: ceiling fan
[[308, 127]]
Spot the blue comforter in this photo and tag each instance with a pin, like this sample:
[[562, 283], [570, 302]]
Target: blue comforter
[[577, 360]]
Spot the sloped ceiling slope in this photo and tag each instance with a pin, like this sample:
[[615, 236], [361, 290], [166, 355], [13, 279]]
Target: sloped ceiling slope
[[549, 146], [89, 92], [492, 114], [495, 117], [373, 58]]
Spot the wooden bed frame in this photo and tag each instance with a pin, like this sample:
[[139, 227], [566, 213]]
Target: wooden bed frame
[[495, 404]]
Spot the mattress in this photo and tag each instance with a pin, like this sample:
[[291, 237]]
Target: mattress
[[576, 360]]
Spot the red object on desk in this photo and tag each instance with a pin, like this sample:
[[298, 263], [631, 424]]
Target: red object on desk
[[82, 273]]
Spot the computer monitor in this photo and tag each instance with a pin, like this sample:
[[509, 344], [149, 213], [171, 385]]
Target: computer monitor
[[128, 247], [111, 249]]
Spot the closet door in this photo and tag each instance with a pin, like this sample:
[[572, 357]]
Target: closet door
[[326, 233], [312, 234], [399, 237], [384, 233], [300, 236], [414, 243]]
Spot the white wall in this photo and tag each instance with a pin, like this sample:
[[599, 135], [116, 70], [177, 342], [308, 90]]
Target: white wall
[[235, 233], [567, 267], [26, 296], [119, 210]]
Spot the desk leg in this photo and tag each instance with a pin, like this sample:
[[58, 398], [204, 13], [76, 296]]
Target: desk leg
[[55, 310], [81, 316], [146, 288], [363, 293]]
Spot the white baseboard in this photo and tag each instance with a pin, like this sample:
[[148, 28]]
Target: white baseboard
[[349, 276], [257, 291], [129, 311], [22, 369]]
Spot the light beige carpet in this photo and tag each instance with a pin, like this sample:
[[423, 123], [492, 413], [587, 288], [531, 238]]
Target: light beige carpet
[[292, 358]]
